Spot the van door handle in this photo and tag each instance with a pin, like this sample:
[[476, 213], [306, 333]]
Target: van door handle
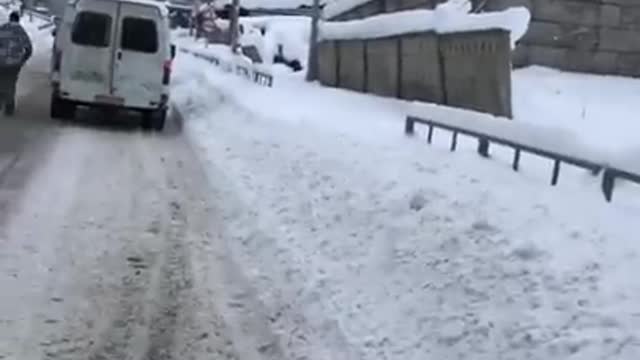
[[119, 55]]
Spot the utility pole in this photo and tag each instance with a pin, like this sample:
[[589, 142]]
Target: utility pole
[[234, 26], [312, 61]]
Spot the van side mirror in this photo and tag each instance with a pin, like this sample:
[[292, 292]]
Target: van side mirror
[[53, 32], [173, 51]]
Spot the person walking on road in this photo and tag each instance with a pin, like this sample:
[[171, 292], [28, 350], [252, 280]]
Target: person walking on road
[[15, 50]]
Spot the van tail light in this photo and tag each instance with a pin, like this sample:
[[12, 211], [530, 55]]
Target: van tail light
[[166, 72], [57, 60]]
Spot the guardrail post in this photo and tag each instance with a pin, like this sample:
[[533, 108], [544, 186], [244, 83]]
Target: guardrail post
[[454, 140], [516, 160], [483, 147], [608, 183], [430, 134], [409, 126], [556, 172]]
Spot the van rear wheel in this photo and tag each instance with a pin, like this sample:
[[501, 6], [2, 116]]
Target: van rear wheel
[[61, 109], [154, 119]]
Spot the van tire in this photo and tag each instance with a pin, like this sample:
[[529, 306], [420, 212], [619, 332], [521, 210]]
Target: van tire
[[10, 108], [154, 120], [61, 109]]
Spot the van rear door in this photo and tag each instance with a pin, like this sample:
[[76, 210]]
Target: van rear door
[[87, 62], [141, 53]]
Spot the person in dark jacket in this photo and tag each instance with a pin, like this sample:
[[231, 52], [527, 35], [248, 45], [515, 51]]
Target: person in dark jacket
[[15, 50]]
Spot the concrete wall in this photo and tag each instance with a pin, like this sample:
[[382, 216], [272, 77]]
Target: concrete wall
[[351, 65], [328, 67], [420, 76], [470, 70], [383, 70], [477, 71]]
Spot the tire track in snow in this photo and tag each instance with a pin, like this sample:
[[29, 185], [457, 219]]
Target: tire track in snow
[[174, 278]]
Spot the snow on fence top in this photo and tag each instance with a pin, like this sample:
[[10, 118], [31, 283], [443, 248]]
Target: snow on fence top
[[515, 20], [337, 7], [549, 138]]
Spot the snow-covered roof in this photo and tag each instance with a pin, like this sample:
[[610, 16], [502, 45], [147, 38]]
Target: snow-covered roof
[[515, 20]]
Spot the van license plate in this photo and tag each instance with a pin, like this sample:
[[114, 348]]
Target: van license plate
[[111, 100]]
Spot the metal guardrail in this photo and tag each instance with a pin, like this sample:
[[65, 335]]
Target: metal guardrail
[[40, 14], [609, 177], [256, 76]]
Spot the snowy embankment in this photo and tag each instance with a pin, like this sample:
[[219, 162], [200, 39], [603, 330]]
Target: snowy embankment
[[366, 245], [600, 111]]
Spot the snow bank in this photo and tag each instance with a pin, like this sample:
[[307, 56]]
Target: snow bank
[[577, 103], [514, 20], [541, 134], [226, 60], [547, 138], [365, 245], [292, 32]]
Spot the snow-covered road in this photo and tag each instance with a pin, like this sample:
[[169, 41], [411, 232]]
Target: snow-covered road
[[108, 244]]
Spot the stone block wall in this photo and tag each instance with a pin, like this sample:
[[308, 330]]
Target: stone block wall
[[597, 36], [470, 70]]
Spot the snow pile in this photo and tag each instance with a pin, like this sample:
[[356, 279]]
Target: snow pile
[[575, 102], [441, 20], [363, 244], [600, 110], [290, 32]]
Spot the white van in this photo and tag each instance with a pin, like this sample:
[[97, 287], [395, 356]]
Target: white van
[[113, 54]]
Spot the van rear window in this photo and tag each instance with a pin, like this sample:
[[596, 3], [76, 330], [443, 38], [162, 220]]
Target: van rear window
[[91, 29], [139, 35]]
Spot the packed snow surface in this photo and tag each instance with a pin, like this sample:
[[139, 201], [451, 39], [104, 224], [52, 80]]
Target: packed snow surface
[[515, 20], [364, 244]]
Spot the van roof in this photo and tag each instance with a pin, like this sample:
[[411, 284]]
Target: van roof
[[153, 3]]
